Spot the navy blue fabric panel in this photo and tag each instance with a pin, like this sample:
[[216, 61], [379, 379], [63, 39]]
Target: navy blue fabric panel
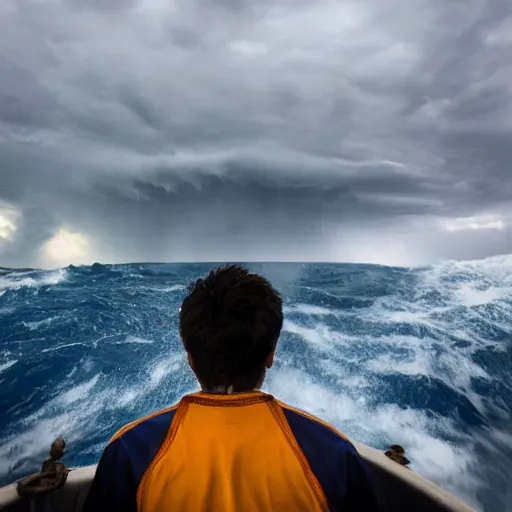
[[335, 463], [114, 487], [123, 464], [143, 442]]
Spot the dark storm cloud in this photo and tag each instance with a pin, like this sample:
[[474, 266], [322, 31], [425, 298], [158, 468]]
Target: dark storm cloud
[[269, 130]]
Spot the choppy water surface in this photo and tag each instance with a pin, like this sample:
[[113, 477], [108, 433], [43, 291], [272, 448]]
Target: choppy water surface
[[420, 357]]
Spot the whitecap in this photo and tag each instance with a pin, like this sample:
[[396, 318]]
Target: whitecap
[[79, 392], [32, 326], [169, 289], [52, 349], [309, 309], [128, 397], [319, 336], [49, 278], [449, 464], [72, 415], [136, 339], [163, 368], [470, 295], [494, 268], [419, 364], [7, 365], [156, 373]]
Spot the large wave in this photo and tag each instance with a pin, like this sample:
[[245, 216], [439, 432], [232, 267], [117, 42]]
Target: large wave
[[15, 280], [421, 357]]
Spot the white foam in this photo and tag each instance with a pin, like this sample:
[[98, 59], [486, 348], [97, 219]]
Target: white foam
[[495, 268], [454, 366], [32, 326], [87, 365], [7, 365], [80, 392], [47, 279], [337, 369], [447, 464], [104, 337], [468, 295], [156, 373], [128, 397], [393, 310], [388, 364], [23, 450], [308, 309], [485, 281], [298, 389], [407, 317], [71, 373], [136, 339], [73, 412], [59, 347], [433, 357], [503, 437], [71, 415], [169, 289], [161, 369], [318, 337]]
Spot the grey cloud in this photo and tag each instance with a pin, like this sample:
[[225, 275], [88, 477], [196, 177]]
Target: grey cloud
[[263, 125], [23, 102], [184, 37], [103, 5]]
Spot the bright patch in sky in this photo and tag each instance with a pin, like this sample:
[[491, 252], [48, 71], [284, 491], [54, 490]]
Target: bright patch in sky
[[475, 223], [67, 247], [7, 228]]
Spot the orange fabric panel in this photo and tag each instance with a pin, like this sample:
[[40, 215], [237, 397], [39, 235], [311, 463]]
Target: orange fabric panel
[[232, 454]]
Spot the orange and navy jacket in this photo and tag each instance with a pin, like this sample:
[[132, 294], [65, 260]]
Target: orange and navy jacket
[[246, 452]]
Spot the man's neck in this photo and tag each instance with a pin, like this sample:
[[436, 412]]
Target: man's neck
[[227, 390]]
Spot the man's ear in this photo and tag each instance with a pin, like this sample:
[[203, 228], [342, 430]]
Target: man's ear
[[270, 360]]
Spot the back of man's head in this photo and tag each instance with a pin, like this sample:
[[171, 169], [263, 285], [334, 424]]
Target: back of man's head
[[229, 324]]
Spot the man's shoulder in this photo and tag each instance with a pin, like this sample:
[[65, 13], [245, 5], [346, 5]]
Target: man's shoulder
[[332, 458], [126, 458], [148, 428], [306, 426]]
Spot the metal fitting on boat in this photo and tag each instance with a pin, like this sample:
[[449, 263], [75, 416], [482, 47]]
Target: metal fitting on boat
[[397, 454]]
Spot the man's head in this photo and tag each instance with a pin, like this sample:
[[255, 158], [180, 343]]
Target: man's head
[[229, 324]]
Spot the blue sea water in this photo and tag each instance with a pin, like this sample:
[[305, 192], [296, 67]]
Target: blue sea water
[[420, 357]]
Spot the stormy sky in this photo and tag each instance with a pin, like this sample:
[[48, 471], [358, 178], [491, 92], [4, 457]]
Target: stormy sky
[[207, 130]]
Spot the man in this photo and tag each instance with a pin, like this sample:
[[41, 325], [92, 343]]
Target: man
[[230, 447]]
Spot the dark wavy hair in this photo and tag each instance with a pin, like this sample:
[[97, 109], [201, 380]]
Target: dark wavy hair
[[229, 323]]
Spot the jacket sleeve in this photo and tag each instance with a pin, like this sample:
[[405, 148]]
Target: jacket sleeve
[[360, 493], [114, 487]]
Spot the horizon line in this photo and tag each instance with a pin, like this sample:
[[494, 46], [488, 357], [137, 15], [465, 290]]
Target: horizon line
[[258, 262]]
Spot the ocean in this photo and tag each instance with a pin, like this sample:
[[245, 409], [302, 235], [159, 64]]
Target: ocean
[[420, 357]]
